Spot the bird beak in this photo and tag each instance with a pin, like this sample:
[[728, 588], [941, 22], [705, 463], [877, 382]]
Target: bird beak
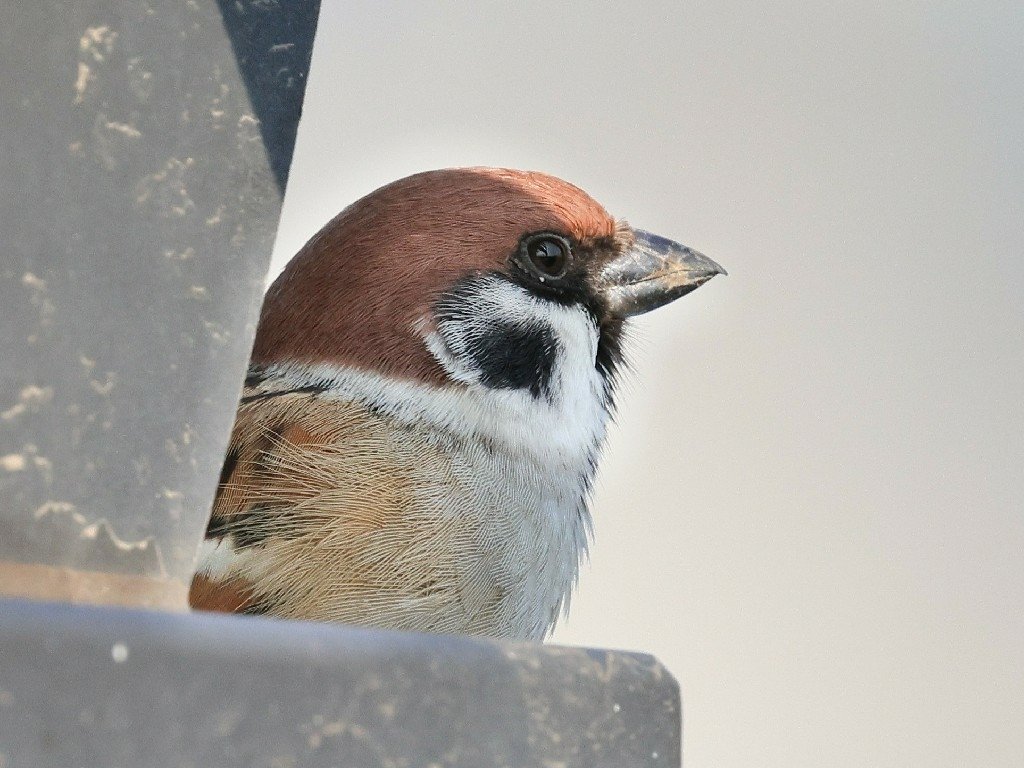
[[652, 272]]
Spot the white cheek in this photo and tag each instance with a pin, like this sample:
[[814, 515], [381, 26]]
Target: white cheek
[[453, 361]]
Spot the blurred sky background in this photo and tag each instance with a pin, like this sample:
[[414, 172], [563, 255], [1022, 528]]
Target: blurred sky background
[[812, 505]]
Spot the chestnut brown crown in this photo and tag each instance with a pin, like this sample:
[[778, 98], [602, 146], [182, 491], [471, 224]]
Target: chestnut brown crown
[[354, 294]]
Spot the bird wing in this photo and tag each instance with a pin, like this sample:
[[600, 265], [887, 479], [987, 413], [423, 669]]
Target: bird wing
[[325, 510]]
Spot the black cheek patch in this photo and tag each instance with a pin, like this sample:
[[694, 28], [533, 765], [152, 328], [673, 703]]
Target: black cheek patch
[[514, 357]]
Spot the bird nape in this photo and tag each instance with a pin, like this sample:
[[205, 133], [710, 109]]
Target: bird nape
[[426, 401]]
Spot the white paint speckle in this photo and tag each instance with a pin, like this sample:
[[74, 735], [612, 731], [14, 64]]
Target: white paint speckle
[[119, 653], [103, 387], [13, 412], [53, 507], [97, 42], [82, 81], [33, 395], [616, 708], [125, 129], [34, 282], [13, 462]]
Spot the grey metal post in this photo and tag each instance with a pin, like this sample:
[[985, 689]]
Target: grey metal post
[[144, 148]]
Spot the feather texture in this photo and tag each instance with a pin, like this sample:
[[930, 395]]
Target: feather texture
[[392, 504]]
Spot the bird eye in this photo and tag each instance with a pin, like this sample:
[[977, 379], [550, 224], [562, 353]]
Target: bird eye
[[548, 254]]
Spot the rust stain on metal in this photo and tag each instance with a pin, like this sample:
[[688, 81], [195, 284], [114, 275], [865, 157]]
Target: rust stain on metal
[[43, 582]]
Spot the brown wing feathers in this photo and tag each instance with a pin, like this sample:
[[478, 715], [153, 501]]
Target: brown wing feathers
[[327, 496]]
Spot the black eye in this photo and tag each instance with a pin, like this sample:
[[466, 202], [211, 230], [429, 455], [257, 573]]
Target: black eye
[[548, 254]]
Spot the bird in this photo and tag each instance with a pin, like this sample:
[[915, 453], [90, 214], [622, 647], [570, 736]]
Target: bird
[[426, 401]]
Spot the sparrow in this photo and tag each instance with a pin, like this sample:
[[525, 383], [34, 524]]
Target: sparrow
[[427, 397]]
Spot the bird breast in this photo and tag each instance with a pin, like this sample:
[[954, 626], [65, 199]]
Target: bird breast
[[386, 503]]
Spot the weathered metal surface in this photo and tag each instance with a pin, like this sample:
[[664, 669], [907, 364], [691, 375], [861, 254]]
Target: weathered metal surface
[[96, 686], [141, 169]]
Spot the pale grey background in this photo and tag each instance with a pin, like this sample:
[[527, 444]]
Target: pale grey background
[[811, 509]]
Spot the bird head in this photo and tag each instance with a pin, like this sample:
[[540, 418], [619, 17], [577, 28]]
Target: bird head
[[472, 277]]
